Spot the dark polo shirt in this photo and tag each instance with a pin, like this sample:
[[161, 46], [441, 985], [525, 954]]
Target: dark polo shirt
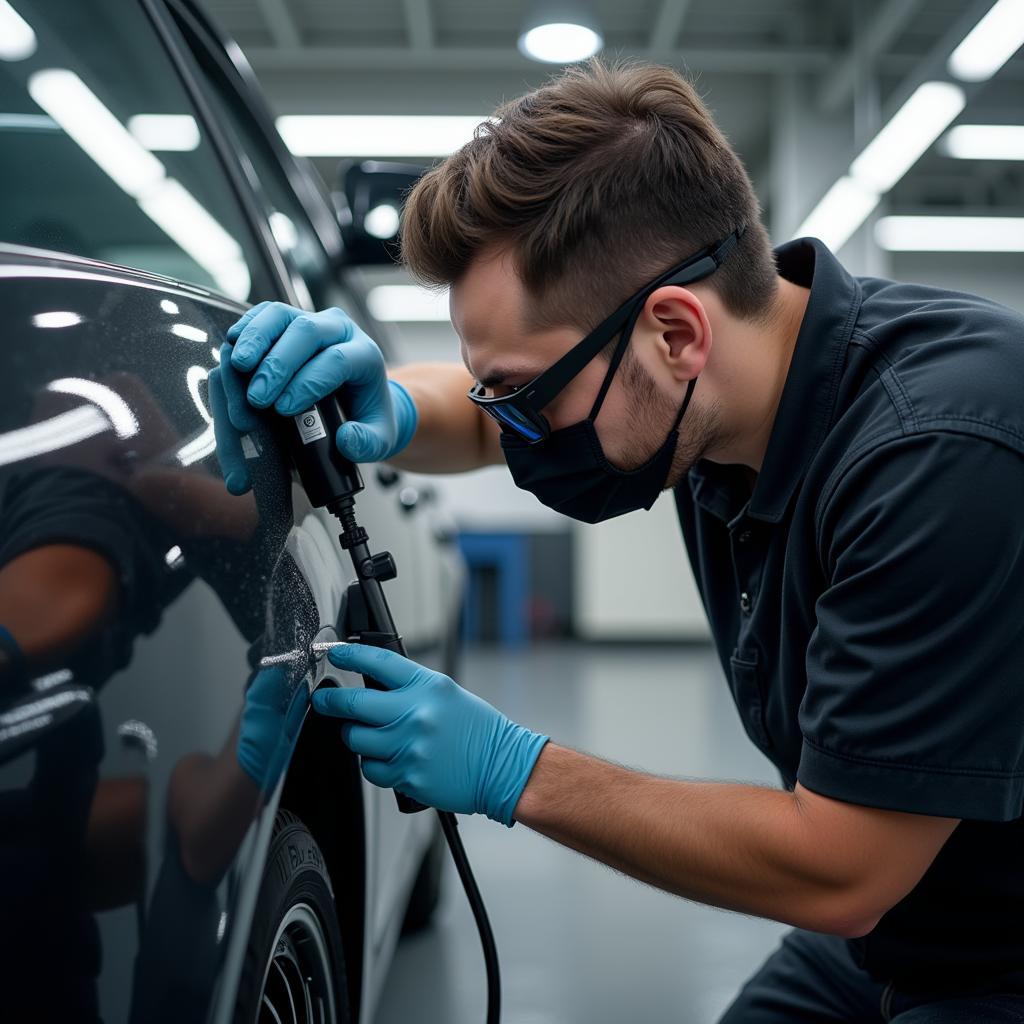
[[867, 596]]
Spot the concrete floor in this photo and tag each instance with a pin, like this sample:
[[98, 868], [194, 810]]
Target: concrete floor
[[578, 942]]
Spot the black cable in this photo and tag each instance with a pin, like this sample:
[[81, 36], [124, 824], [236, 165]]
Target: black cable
[[331, 481], [355, 541], [450, 827]]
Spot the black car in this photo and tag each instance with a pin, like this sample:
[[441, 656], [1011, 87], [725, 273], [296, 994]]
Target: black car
[[143, 876]]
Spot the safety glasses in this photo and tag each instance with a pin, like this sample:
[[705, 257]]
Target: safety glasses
[[519, 412]]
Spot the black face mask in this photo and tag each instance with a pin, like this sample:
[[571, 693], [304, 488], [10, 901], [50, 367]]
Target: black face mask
[[568, 470]]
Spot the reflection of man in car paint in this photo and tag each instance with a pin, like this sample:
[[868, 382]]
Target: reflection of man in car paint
[[848, 473], [85, 532]]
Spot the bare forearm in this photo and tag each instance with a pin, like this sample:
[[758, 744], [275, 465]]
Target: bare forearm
[[53, 598], [729, 845], [452, 434]]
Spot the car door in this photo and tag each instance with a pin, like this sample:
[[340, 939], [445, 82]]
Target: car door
[[311, 248], [136, 595]]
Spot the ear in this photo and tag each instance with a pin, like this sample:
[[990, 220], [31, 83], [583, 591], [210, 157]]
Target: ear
[[675, 321]]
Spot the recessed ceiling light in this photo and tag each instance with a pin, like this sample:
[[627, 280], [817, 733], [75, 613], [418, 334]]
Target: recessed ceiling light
[[560, 42], [382, 221]]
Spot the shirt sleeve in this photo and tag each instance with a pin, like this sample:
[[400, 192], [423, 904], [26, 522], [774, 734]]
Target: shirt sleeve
[[915, 670]]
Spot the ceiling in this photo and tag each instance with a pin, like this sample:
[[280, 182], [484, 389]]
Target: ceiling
[[844, 64]]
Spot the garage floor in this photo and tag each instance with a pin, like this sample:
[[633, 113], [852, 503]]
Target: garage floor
[[578, 942]]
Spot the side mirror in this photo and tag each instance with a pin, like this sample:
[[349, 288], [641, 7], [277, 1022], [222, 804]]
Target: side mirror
[[368, 199]]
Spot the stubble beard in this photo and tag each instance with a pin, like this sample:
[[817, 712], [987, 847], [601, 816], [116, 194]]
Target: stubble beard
[[653, 413]]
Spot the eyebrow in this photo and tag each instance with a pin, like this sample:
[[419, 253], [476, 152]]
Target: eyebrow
[[499, 375]]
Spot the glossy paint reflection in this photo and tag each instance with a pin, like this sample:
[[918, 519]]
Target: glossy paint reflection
[[140, 597]]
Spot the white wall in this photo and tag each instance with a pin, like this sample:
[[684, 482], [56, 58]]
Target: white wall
[[633, 579]]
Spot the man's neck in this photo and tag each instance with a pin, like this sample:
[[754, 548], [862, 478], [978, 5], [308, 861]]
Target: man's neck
[[765, 353]]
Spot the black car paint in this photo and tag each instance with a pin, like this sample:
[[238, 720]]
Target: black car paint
[[205, 586], [117, 902]]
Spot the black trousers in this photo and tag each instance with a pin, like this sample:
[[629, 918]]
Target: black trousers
[[812, 979]]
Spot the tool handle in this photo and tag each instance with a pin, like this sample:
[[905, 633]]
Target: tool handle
[[391, 642]]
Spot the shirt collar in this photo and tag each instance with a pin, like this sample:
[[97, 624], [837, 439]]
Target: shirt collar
[[808, 399]]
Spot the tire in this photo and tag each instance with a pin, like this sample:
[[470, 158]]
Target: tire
[[293, 964], [426, 890]]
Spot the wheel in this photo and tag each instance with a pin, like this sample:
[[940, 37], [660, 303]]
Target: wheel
[[426, 890], [293, 969]]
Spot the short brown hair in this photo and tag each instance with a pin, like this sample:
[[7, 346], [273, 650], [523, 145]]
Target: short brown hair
[[596, 182]]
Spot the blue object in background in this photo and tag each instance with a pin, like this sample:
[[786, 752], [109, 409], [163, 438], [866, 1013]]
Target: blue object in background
[[507, 554]]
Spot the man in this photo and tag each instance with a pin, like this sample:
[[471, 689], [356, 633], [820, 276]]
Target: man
[[849, 475]]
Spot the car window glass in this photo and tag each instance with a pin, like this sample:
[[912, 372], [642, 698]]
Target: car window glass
[[288, 221], [103, 155]]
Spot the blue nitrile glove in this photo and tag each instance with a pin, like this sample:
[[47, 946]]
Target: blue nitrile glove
[[301, 357], [12, 658], [271, 719], [429, 738]]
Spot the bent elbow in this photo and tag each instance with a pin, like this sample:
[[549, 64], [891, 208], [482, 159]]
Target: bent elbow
[[849, 917], [853, 928]]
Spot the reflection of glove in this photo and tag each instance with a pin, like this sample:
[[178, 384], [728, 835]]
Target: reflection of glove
[[302, 357], [232, 418], [271, 720], [429, 738], [12, 657]]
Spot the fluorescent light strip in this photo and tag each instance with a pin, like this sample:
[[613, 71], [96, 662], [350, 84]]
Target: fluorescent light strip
[[282, 227], [194, 377], [375, 135], [51, 435], [74, 106], [951, 234], [171, 133], [17, 40], [908, 134], [198, 448], [116, 409], [56, 318], [983, 51], [189, 333], [985, 142], [883, 162], [843, 208], [28, 123], [44, 705], [991, 43], [407, 303], [191, 226]]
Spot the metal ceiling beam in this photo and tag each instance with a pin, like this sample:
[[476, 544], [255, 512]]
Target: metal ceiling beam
[[881, 31], [757, 61], [283, 29], [419, 23], [667, 25]]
